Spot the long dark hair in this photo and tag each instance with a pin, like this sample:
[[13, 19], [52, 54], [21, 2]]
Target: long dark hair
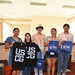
[[30, 37]]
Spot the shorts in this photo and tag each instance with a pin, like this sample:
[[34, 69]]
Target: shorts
[[51, 55]]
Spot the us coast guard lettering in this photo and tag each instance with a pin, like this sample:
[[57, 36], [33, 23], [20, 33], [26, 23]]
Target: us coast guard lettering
[[31, 53], [24, 54], [19, 55]]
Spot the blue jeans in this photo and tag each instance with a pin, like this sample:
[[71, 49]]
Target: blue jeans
[[26, 71], [39, 55], [63, 59]]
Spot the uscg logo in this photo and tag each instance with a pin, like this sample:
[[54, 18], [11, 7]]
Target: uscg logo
[[66, 47], [53, 47], [39, 64]]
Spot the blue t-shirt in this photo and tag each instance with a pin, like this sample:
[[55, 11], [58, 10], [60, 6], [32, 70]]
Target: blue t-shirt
[[10, 40]]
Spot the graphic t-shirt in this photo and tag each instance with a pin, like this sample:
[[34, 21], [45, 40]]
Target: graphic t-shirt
[[24, 55], [31, 57], [19, 55]]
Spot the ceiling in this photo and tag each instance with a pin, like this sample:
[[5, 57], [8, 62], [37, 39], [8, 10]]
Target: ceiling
[[23, 9]]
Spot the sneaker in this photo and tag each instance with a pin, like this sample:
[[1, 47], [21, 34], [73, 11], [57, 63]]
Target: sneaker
[[63, 74], [68, 70], [36, 74], [40, 74]]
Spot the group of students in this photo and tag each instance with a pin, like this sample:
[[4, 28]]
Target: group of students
[[42, 41]]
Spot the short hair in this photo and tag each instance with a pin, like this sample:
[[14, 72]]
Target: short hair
[[54, 29], [16, 29], [66, 25]]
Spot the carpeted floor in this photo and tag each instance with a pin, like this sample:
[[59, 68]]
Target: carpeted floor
[[72, 72]]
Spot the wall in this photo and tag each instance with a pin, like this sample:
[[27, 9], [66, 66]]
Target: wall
[[1, 32], [48, 23], [4, 53]]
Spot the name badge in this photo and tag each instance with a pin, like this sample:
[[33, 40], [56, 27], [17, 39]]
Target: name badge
[[51, 53]]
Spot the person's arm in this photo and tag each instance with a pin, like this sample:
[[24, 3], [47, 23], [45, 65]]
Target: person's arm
[[7, 45], [60, 40], [46, 42], [72, 39], [33, 39]]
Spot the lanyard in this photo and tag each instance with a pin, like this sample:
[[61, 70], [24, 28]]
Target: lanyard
[[40, 38], [67, 37]]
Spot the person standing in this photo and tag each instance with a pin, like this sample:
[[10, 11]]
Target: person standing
[[39, 39], [51, 57], [63, 57], [31, 56], [9, 44]]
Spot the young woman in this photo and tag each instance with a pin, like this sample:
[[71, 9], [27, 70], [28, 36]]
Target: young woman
[[9, 44], [31, 57], [27, 41], [51, 58]]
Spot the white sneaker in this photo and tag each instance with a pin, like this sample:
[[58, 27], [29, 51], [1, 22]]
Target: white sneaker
[[68, 70], [63, 74], [36, 74], [40, 74]]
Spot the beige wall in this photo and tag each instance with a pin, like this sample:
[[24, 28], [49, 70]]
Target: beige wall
[[1, 32], [48, 23]]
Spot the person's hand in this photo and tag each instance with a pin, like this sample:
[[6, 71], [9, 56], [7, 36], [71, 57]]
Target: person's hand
[[12, 44], [62, 42]]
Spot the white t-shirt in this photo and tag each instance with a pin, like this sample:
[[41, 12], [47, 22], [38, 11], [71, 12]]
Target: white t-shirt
[[39, 40], [65, 37]]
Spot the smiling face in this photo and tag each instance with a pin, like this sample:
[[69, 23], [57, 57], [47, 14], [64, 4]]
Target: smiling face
[[16, 32], [39, 30], [66, 28], [27, 37], [53, 32]]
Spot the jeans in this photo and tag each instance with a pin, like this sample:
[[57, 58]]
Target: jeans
[[26, 71], [39, 55], [63, 59]]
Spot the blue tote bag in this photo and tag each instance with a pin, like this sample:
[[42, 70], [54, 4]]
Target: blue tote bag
[[67, 46], [53, 46], [40, 63]]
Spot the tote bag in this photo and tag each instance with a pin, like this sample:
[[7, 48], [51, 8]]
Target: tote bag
[[53, 46], [67, 46], [40, 62]]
